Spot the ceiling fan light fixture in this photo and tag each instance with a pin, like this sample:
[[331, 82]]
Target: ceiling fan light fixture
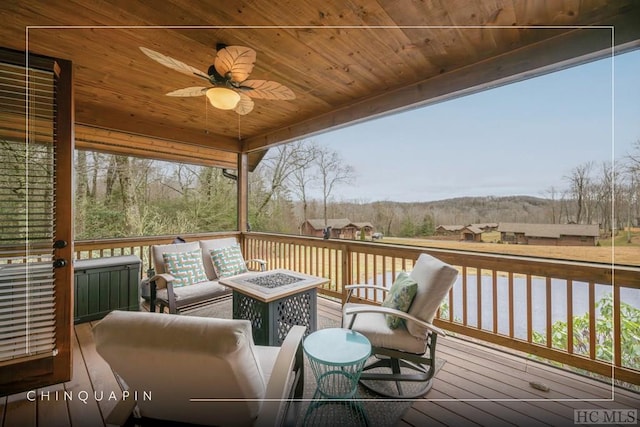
[[223, 98]]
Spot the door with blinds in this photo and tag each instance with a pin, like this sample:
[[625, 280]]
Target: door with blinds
[[36, 246]]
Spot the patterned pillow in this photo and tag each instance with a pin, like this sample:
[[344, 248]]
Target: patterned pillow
[[185, 267], [228, 261], [400, 297]]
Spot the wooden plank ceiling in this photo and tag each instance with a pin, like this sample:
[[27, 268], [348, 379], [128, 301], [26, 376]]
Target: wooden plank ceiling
[[346, 61]]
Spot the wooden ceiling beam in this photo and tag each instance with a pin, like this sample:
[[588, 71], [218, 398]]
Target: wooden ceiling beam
[[134, 123], [565, 50], [116, 142]]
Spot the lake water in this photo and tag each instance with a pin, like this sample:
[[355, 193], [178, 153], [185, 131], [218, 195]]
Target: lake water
[[538, 296]]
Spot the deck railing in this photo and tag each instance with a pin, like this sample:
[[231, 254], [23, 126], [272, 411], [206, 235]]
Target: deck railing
[[512, 301], [139, 246]]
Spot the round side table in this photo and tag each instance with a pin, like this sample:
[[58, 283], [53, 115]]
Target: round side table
[[337, 357]]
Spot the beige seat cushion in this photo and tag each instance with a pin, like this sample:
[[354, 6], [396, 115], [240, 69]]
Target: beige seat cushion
[[200, 357], [207, 246], [194, 293], [434, 279], [374, 327]]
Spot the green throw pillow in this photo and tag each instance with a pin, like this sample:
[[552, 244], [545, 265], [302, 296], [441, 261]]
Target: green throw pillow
[[400, 297], [185, 267], [228, 261]]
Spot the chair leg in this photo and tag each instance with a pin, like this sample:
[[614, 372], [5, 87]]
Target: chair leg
[[395, 369], [389, 369]]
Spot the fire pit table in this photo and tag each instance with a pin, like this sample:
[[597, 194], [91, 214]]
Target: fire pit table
[[274, 301]]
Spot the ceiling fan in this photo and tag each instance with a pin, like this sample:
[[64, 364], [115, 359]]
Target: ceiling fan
[[229, 87]]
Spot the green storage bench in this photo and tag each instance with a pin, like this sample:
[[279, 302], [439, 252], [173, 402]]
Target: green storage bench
[[105, 284]]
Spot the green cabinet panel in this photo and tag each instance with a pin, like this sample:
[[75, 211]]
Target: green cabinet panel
[[105, 284]]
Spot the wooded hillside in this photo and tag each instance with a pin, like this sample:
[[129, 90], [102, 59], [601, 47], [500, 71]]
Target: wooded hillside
[[119, 196]]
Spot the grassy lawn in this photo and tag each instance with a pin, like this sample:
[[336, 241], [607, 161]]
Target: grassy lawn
[[618, 249]]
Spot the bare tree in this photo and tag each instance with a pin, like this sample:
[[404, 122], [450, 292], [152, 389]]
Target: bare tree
[[278, 168], [82, 189], [552, 193], [129, 205], [604, 191], [332, 171], [579, 181], [302, 177], [95, 167], [632, 172]]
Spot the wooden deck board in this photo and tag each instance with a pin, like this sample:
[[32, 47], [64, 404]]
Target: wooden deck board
[[50, 412], [471, 375], [19, 411], [478, 414], [82, 413]]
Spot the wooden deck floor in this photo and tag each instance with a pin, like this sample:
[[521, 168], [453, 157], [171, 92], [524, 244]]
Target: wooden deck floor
[[477, 386]]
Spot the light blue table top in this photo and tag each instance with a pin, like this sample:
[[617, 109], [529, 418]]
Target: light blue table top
[[335, 346]]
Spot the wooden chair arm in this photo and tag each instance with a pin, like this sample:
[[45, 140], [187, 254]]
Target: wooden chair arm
[[278, 388], [386, 310], [262, 263], [161, 280], [350, 289]]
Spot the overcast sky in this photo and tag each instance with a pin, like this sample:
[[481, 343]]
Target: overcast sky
[[518, 139]]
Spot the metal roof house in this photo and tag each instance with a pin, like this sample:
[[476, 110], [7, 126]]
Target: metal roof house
[[549, 234]]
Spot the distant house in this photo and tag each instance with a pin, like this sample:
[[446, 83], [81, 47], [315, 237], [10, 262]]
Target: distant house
[[341, 228], [449, 230], [549, 234], [364, 227], [471, 233]]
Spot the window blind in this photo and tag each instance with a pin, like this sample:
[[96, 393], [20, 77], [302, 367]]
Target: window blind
[[27, 221]]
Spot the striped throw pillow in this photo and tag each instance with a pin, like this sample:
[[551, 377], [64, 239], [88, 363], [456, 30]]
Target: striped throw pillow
[[185, 267], [228, 261]]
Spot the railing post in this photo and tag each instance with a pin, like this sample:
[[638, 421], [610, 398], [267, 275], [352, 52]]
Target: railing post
[[346, 271]]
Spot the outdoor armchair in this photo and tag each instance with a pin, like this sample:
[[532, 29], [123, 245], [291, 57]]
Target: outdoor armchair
[[177, 359], [406, 353]]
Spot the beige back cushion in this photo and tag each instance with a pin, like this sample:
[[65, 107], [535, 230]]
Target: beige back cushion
[[158, 250], [434, 279], [177, 358], [206, 246]]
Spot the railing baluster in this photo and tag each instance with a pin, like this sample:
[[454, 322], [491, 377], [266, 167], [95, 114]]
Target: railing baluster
[[451, 318], [375, 269], [617, 327], [479, 296], [384, 271], [569, 316], [494, 308], [366, 274], [549, 313], [510, 306], [464, 295], [592, 320], [529, 310]]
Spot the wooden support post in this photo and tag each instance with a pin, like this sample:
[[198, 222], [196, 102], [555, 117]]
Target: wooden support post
[[243, 192]]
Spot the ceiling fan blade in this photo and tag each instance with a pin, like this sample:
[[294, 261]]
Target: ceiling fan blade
[[245, 105], [265, 89], [189, 91], [237, 60], [174, 64]]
